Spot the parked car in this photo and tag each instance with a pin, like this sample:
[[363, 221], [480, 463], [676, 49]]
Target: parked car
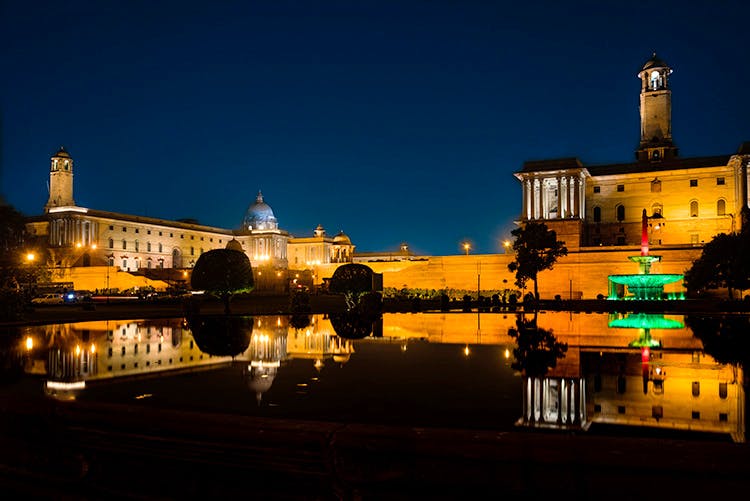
[[48, 299]]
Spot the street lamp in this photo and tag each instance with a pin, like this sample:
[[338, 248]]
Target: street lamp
[[506, 245], [467, 246]]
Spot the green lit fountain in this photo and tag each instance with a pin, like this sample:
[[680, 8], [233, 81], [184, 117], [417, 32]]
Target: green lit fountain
[[645, 285]]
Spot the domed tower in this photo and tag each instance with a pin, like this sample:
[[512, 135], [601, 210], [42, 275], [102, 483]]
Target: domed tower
[[259, 216], [60, 180], [343, 250], [656, 112]]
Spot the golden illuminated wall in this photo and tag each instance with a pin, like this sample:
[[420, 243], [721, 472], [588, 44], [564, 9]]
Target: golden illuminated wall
[[581, 274]]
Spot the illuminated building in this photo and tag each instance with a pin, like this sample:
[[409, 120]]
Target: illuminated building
[[689, 199], [80, 237]]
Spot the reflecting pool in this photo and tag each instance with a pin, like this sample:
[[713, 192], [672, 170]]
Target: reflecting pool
[[581, 372]]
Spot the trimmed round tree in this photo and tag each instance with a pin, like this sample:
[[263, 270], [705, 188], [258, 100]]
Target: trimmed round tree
[[223, 273], [353, 280]]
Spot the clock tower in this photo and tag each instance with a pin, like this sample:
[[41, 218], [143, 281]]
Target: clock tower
[[60, 180], [656, 112]]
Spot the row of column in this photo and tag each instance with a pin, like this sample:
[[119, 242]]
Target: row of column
[[557, 197], [554, 401], [71, 231]]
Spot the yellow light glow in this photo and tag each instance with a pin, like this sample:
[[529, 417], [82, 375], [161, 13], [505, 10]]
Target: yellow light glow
[[29, 343], [93, 246], [507, 353], [466, 350], [30, 257], [92, 349], [79, 245], [78, 349], [506, 244]]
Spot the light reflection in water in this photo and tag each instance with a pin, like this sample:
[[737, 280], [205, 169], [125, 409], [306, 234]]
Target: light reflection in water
[[601, 379]]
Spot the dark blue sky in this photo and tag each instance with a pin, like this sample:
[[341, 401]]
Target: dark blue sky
[[391, 120]]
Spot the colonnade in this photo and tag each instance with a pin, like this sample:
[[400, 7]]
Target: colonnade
[[554, 402], [71, 231], [557, 197]]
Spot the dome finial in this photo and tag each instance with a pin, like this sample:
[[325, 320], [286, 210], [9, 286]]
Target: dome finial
[[259, 198]]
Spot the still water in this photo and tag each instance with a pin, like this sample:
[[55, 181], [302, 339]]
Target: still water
[[582, 372]]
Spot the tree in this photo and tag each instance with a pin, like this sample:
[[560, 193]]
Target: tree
[[353, 280], [536, 249], [223, 273], [723, 263]]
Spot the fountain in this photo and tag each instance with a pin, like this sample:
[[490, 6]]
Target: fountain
[[644, 285]]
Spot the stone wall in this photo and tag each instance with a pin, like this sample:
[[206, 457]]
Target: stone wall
[[580, 274]]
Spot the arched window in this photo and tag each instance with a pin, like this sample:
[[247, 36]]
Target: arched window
[[721, 207], [597, 214], [620, 211], [694, 208], [655, 80]]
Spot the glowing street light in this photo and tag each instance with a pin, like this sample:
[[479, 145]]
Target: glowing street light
[[506, 245], [30, 257], [467, 246]]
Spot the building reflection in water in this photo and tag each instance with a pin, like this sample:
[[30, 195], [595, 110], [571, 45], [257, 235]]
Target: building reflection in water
[[577, 369]]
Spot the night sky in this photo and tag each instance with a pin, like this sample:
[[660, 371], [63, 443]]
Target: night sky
[[394, 121]]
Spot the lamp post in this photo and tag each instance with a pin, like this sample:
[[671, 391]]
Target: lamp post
[[506, 246], [467, 246]]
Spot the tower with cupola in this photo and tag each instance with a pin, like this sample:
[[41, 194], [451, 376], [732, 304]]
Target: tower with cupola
[[60, 180], [656, 112]]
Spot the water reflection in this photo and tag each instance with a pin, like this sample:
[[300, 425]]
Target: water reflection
[[570, 371]]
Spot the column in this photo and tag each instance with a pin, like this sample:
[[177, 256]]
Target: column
[[543, 209], [525, 198], [559, 198], [576, 197], [561, 390], [532, 200]]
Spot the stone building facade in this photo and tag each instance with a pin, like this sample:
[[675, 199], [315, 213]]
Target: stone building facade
[[688, 200], [79, 237]]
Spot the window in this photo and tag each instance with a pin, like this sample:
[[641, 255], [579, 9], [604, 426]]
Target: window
[[620, 187], [136, 245], [148, 246], [111, 227], [655, 186], [148, 264], [597, 214], [721, 207], [171, 235], [620, 211], [720, 181], [696, 415], [201, 239], [693, 183], [694, 239], [694, 208], [124, 245], [696, 388], [722, 390], [192, 251], [136, 230], [160, 247], [111, 243], [655, 155], [723, 416], [111, 261], [124, 263], [621, 409], [657, 411], [148, 232], [160, 233], [192, 237], [597, 189], [182, 236]]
